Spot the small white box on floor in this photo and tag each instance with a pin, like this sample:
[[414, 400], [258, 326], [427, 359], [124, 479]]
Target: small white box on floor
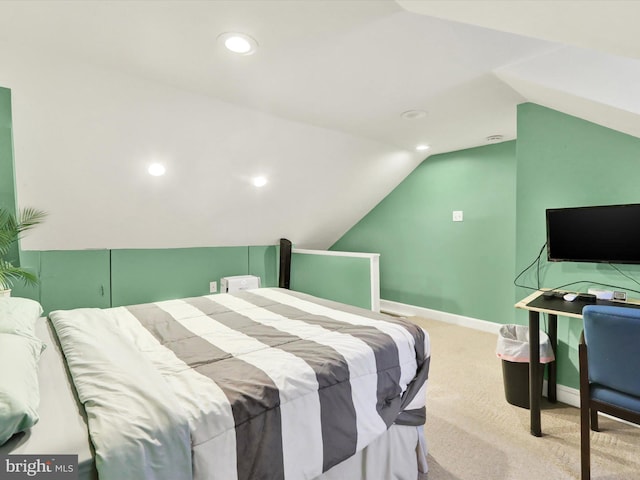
[[238, 283]]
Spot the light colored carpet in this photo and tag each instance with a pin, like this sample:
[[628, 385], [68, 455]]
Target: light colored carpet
[[474, 434]]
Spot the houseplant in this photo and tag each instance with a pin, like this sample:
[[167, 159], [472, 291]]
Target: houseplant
[[11, 229]]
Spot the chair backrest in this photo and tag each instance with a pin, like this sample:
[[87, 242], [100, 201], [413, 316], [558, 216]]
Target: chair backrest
[[612, 335]]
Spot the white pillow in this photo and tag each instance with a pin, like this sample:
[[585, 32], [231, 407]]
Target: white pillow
[[19, 391], [20, 351], [19, 315]]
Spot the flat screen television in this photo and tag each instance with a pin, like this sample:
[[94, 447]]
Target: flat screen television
[[606, 233]]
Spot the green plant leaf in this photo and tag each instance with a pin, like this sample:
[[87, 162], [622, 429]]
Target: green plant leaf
[[29, 218], [11, 229], [10, 274]]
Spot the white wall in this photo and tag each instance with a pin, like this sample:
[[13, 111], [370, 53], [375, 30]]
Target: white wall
[[84, 136]]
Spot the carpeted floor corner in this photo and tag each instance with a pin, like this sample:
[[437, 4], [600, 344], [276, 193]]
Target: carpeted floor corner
[[474, 434]]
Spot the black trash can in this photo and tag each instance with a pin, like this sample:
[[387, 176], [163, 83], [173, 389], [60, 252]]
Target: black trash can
[[515, 376], [513, 349]]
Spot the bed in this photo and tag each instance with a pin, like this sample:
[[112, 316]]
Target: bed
[[260, 384]]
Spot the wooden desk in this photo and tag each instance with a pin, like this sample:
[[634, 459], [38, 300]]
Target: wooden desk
[[536, 304]]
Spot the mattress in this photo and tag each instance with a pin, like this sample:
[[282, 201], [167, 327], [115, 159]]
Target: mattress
[[396, 451]]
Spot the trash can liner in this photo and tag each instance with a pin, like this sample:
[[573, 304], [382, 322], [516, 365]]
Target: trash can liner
[[513, 345]]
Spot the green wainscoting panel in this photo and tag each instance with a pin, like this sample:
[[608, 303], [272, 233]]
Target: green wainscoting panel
[[263, 263], [426, 259], [73, 279], [29, 260], [564, 161], [343, 279], [149, 275]]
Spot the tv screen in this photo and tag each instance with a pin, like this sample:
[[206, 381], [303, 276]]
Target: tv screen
[[607, 233]]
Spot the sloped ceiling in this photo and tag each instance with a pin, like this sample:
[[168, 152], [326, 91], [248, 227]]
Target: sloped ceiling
[[593, 73], [100, 89]]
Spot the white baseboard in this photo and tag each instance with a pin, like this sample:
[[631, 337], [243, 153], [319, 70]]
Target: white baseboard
[[404, 309], [568, 395]]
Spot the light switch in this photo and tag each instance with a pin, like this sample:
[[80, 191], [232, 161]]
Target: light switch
[[457, 215]]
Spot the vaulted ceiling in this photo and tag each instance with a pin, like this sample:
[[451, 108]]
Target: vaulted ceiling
[[100, 88]]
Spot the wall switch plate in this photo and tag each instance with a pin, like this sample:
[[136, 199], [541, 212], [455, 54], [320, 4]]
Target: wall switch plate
[[213, 287], [457, 215]]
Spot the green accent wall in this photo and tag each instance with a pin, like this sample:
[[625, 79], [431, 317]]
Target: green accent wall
[[7, 174], [563, 161], [430, 261], [264, 262], [7, 189], [338, 278], [149, 275]]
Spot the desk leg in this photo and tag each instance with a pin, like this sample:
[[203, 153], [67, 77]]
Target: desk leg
[[553, 366], [534, 373]]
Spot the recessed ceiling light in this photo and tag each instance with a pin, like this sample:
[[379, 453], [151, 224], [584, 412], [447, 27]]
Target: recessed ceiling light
[[157, 169], [259, 181], [413, 114], [422, 148], [239, 43], [494, 138]]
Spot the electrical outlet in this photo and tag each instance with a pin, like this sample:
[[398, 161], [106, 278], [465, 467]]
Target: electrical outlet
[[457, 215], [621, 296], [213, 287]]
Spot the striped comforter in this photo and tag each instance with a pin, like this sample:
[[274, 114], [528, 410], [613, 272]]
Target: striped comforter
[[263, 384]]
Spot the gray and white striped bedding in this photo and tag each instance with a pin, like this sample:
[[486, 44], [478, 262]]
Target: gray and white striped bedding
[[263, 384]]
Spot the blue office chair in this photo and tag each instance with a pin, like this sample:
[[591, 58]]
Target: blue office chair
[[609, 355]]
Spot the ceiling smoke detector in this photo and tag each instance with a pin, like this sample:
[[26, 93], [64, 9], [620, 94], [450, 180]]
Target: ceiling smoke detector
[[494, 138], [413, 114]]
